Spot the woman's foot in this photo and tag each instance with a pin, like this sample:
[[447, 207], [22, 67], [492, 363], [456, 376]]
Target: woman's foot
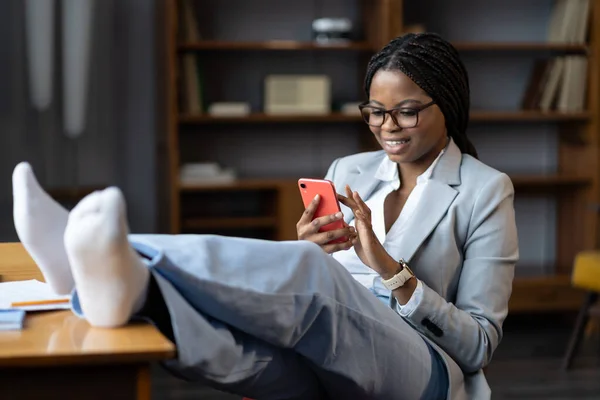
[[40, 224], [110, 277]]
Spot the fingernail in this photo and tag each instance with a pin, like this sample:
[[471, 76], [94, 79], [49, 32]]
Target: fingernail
[[317, 197], [339, 215]]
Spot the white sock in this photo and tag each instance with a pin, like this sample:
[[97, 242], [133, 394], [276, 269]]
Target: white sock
[[40, 223], [110, 277]]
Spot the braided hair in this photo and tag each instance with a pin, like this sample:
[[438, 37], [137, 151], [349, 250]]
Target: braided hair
[[435, 66]]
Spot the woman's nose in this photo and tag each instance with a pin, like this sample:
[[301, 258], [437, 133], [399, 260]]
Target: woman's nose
[[389, 125]]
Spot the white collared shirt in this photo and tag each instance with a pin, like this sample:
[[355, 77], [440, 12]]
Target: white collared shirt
[[387, 173]]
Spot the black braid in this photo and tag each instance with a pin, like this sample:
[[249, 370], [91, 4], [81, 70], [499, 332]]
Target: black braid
[[435, 66]]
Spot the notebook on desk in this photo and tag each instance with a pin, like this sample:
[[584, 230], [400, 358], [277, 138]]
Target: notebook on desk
[[31, 295], [11, 320]]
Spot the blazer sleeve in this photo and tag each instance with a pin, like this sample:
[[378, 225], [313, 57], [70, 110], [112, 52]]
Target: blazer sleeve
[[470, 330]]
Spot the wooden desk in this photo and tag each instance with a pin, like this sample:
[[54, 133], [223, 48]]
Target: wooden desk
[[60, 356]]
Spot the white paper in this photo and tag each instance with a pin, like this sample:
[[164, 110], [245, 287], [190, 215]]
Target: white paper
[[31, 290]]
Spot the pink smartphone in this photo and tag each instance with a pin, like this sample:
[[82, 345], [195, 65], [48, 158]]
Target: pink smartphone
[[328, 204]]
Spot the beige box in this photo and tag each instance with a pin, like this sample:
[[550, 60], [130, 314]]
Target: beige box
[[297, 94]]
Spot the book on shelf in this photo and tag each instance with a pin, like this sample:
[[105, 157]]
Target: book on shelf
[[191, 85], [229, 109], [538, 79], [557, 84], [560, 83], [574, 84], [191, 78], [569, 21], [552, 86], [189, 32], [205, 173]]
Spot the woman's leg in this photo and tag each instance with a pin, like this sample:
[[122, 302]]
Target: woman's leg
[[234, 362], [113, 283], [40, 224], [224, 358], [293, 295], [288, 294]]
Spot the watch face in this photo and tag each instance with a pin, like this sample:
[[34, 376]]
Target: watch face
[[405, 266]]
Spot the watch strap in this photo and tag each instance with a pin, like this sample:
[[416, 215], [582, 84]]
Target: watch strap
[[399, 279]]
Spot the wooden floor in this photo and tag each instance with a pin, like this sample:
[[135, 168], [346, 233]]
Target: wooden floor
[[527, 363], [525, 366]]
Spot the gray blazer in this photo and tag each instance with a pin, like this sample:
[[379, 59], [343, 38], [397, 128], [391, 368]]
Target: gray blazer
[[462, 244]]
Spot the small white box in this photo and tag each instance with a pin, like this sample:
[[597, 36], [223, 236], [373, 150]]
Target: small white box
[[351, 108], [297, 94], [229, 109]]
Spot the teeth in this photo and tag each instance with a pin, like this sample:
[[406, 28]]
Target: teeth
[[396, 142]]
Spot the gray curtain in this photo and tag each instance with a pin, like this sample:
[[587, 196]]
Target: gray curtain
[[118, 146]]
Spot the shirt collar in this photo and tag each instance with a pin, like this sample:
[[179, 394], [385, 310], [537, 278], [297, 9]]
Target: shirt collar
[[388, 170]]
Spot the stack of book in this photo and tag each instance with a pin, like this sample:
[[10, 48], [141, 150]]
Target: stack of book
[[560, 83], [11, 320], [208, 173]]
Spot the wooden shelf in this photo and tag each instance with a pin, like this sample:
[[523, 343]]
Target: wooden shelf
[[365, 46], [521, 46], [519, 181], [545, 181], [265, 118], [526, 116], [242, 184], [230, 223], [476, 116], [271, 45]]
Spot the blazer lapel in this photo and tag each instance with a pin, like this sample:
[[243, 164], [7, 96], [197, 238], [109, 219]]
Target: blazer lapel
[[436, 198], [364, 182], [435, 201]]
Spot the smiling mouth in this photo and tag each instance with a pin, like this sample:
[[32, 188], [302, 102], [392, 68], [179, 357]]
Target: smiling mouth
[[397, 142]]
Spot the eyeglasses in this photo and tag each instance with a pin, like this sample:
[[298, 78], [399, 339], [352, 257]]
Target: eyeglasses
[[403, 117]]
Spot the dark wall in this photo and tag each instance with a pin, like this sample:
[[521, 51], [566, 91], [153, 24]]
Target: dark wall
[[118, 145]]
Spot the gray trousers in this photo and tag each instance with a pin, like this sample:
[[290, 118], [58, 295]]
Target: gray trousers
[[283, 320]]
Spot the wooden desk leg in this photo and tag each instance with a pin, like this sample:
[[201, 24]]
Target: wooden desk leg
[[144, 384], [126, 382]]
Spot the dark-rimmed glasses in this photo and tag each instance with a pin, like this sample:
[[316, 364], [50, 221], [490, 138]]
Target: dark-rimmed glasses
[[403, 117]]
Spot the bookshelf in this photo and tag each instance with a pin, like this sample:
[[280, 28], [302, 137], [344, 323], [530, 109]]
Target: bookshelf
[[271, 45], [476, 116], [68, 197], [550, 154], [279, 45], [265, 118], [561, 48]]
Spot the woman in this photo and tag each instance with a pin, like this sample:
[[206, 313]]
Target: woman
[[428, 200], [286, 320]]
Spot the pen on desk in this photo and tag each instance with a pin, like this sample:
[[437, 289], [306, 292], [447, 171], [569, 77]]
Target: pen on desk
[[39, 302]]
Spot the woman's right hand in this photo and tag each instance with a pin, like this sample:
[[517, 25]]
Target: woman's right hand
[[308, 229]]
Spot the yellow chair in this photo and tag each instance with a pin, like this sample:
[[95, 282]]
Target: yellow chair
[[586, 276]]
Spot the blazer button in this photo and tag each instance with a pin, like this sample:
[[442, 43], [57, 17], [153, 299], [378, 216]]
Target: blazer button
[[433, 328]]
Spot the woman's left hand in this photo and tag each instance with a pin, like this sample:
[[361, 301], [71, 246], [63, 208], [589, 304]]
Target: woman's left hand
[[368, 248]]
